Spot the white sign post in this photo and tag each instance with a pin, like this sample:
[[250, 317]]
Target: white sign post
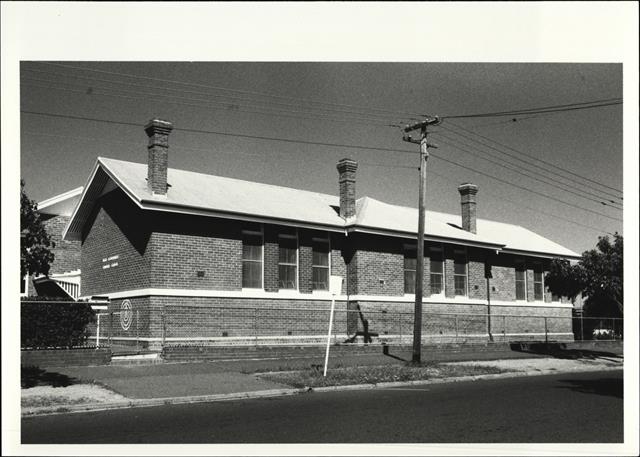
[[335, 287]]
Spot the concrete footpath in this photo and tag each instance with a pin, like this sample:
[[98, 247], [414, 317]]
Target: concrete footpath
[[70, 389]]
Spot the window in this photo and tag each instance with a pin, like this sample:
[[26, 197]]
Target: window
[[437, 271], [410, 270], [288, 262], [252, 260], [460, 272], [538, 282], [521, 281], [320, 264]]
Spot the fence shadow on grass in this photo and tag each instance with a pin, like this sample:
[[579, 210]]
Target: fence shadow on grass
[[560, 351], [32, 376]]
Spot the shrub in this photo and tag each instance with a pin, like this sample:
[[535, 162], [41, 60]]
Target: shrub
[[54, 323]]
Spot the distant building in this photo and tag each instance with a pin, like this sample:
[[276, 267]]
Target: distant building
[[63, 279], [155, 239]]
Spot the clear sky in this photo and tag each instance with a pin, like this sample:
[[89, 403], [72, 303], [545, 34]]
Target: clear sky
[[574, 157]]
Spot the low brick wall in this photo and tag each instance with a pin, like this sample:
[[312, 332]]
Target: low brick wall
[[202, 353], [65, 357]]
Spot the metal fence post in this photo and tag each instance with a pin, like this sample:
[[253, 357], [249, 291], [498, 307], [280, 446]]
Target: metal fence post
[[613, 329], [504, 328], [581, 328], [546, 332], [98, 331], [163, 329], [456, 317], [255, 325], [110, 328]]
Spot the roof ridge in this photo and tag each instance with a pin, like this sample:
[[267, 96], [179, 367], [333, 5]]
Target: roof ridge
[[229, 178]]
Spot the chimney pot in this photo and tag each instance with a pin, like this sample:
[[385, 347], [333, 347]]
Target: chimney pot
[[158, 155], [347, 181], [468, 193]]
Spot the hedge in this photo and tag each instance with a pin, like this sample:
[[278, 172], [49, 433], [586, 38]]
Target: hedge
[[54, 323]]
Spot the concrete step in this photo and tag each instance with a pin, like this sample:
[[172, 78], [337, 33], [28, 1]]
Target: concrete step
[[137, 359]]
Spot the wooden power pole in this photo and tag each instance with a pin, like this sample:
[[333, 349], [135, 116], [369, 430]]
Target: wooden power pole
[[424, 155]]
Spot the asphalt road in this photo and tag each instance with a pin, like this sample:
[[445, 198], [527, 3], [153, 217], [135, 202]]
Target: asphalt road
[[567, 408]]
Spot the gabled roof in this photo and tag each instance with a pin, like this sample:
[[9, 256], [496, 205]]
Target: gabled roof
[[60, 205], [198, 193], [377, 215]]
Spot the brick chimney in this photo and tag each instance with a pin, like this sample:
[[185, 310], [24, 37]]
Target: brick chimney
[[347, 180], [468, 193], [158, 158]]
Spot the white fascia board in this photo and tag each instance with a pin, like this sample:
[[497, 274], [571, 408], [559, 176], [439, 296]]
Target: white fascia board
[[196, 211], [544, 255], [427, 237], [59, 198], [84, 192], [99, 164]]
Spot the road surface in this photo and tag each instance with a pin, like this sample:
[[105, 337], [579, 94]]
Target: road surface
[[576, 407]]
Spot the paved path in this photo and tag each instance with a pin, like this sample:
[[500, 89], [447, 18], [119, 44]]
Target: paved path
[[563, 408], [210, 378]]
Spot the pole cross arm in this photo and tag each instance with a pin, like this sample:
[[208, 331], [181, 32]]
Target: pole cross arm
[[420, 125], [408, 139]]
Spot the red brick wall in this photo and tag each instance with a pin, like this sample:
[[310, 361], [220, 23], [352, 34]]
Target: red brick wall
[[181, 246], [116, 227], [204, 317], [66, 253]]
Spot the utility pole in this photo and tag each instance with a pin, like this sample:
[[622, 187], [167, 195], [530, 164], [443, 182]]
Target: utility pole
[[424, 155]]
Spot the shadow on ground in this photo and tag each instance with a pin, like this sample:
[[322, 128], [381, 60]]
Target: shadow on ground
[[560, 351], [611, 387], [32, 376]]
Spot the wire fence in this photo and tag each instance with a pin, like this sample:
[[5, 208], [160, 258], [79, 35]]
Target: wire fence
[[155, 327]]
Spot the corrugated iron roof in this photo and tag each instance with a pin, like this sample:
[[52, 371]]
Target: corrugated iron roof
[[215, 195]]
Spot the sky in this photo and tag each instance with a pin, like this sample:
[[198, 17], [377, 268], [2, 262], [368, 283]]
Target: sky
[[547, 172]]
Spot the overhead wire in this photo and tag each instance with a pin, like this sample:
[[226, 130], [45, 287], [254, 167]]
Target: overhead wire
[[475, 170], [363, 163], [198, 92], [541, 110], [349, 146], [217, 151], [251, 92], [519, 205], [225, 107], [529, 162], [521, 171]]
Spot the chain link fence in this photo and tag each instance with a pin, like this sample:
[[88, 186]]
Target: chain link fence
[[155, 327]]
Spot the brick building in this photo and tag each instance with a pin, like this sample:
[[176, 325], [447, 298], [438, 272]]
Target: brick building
[[194, 257], [63, 279]]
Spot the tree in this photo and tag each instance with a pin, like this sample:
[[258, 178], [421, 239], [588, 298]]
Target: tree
[[602, 278], [35, 255], [598, 276], [564, 279]]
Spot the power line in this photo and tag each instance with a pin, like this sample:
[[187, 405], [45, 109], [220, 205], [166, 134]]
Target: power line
[[324, 116], [526, 189], [544, 179], [225, 107], [190, 148], [521, 206], [544, 109], [564, 170], [263, 94], [348, 146], [230, 97]]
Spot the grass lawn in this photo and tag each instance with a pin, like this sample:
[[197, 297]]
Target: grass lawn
[[312, 377]]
